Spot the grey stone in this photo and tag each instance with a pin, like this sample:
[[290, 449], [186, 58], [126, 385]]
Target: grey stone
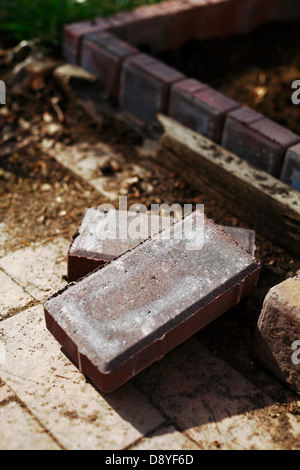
[[277, 338]]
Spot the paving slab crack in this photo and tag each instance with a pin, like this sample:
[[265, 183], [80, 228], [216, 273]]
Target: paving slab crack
[[14, 311], [12, 397]]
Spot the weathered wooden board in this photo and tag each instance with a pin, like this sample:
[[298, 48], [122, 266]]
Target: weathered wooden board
[[269, 206]]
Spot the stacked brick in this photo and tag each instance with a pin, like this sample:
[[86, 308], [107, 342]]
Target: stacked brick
[[120, 318]]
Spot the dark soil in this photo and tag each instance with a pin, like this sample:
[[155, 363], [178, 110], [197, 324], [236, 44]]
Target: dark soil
[[257, 69]]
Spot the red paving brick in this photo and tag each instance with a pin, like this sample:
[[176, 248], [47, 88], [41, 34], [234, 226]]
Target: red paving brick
[[257, 139], [203, 110], [187, 86], [102, 54], [123, 317], [186, 23], [145, 85], [290, 172], [74, 33], [245, 116], [137, 26], [88, 252], [222, 18]]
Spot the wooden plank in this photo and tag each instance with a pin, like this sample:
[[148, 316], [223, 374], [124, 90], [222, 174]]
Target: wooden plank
[[268, 205]]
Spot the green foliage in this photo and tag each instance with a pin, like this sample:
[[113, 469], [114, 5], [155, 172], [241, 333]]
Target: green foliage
[[45, 19]]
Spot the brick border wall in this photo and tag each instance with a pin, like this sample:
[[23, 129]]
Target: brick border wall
[[142, 86]]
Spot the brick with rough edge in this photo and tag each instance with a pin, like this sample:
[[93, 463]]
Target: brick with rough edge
[[145, 85], [120, 319], [276, 342], [245, 115], [290, 172], [257, 139], [89, 251], [102, 54], [74, 33], [201, 108], [188, 85]]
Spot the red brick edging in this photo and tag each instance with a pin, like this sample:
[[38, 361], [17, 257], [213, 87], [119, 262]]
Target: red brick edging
[[143, 86]]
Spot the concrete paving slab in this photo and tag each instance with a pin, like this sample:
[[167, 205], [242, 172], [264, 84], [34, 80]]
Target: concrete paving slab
[[216, 406], [55, 391], [5, 393], [21, 431], [4, 238], [12, 297], [85, 161], [38, 268]]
